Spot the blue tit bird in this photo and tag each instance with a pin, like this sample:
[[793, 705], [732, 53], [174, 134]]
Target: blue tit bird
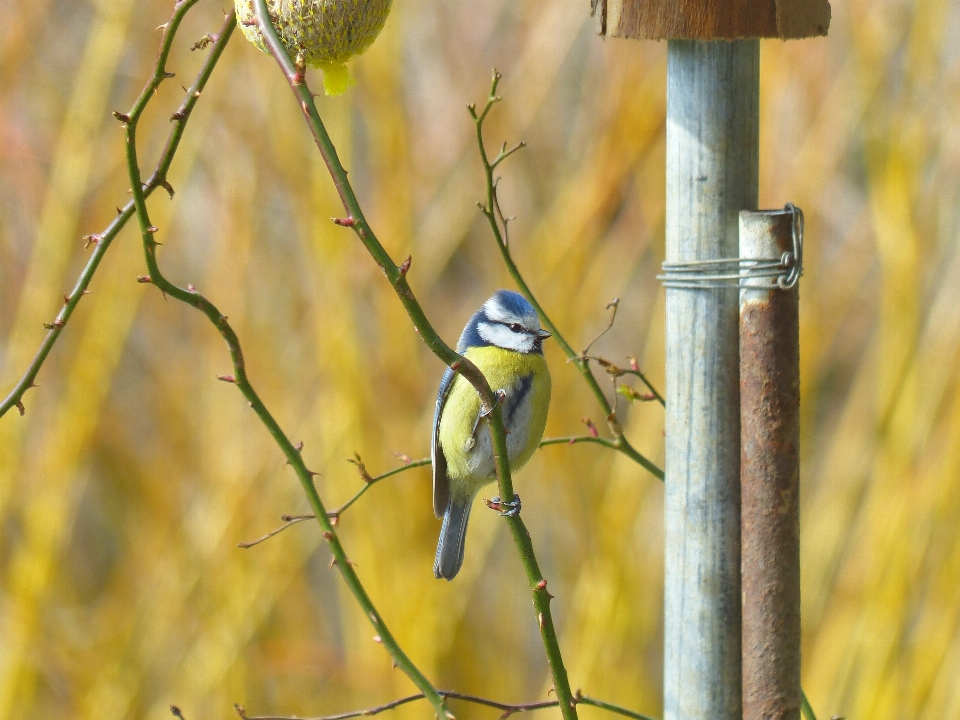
[[504, 340]]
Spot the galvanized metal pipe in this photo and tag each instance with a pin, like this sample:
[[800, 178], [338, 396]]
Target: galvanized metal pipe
[[770, 478], [712, 159]]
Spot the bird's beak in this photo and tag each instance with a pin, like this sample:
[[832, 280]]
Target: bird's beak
[[543, 334]]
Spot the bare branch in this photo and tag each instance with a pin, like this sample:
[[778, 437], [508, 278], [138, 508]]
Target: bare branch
[[288, 520], [157, 179], [612, 305], [334, 515], [507, 708]]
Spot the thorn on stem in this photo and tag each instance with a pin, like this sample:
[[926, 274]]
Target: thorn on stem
[[378, 639], [406, 265], [405, 459], [344, 222], [122, 117], [227, 379], [20, 408], [590, 426], [89, 240], [327, 535], [144, 279], [299, 446]]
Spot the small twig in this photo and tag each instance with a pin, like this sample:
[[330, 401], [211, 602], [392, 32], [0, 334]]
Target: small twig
[[334, 515], [504, 221], [507, 708], [157, 179], [635, 370], [371, 481], [584, 700], [288, 520], [615, 371], [612, 305], [576, 439]]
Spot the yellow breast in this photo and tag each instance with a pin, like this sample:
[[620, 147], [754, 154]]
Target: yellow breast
[[526, 381]]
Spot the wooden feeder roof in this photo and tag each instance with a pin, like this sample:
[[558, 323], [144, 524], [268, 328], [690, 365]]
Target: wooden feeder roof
[[711, 19]]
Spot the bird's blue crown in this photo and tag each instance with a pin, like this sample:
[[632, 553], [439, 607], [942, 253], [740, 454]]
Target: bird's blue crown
[[505, 320]]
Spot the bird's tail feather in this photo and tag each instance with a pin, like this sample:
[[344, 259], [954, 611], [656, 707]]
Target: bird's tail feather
[[452, 536]]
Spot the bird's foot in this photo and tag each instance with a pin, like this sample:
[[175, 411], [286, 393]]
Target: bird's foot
[[505, 509], [499, 396]]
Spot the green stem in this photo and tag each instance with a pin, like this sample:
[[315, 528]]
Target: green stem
[[240, 378], [806, 707], [610, 707], [491, 211], [397, 277], [615, 444], [643, 378], [158, 178], [369, 483]]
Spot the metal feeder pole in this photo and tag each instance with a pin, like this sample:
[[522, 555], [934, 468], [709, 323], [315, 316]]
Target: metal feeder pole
[[712, 166], [713, 74]]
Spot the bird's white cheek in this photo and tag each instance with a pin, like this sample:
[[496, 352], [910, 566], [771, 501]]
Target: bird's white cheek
[[496, 334], [504, 337]]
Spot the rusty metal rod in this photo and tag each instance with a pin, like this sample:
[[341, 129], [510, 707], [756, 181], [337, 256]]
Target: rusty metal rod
[[770, 478]]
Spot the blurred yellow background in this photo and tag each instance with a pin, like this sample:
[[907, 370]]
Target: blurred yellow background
[[134, 474]]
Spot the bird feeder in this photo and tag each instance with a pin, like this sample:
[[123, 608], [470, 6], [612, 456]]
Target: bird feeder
[[724, 658]]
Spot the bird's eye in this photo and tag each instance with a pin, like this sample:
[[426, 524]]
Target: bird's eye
[[516, 327]]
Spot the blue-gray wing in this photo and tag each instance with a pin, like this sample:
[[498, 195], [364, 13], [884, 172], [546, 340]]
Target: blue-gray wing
[[441, 483]]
